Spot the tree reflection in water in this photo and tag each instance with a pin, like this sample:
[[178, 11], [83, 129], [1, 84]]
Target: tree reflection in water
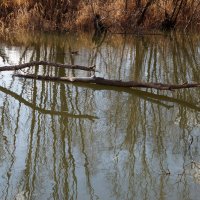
[[64, 141]]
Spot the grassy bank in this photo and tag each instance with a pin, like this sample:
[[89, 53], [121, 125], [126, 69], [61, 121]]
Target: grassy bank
[[117, 15]]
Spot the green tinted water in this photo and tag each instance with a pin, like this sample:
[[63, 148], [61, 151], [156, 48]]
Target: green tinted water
[[79, 141]]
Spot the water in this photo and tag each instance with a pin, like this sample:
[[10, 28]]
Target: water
[[79, 141]]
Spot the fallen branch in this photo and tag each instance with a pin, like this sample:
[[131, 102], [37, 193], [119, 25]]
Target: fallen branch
[[108, 82], [25, 65]]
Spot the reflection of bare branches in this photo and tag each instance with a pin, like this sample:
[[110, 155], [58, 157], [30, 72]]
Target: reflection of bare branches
[[44, 111], [23, 56], [3, 55], [190, 140], [164, 171], [13, 151], [161, 98], [87, 165], [193, 169], [151, 97], [98, 38]]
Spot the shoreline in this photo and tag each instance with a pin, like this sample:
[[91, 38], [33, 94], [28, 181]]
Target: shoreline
[[118, 16]]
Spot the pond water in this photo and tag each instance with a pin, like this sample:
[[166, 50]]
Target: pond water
[[79, 141]]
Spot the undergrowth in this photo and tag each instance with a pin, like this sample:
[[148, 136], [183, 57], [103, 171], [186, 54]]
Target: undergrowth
[[117, 15]]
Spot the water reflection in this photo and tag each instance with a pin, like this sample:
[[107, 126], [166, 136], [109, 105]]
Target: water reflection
[[65, 141]]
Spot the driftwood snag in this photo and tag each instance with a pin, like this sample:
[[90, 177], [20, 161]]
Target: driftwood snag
[[93, 79], [108, 82]]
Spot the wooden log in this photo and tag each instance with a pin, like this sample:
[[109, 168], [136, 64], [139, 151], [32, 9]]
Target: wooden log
[[30, 64], [108, 82]]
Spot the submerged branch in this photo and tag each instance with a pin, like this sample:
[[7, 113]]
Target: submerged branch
[[44, 111], [108, 82], [146, 95], [30, 64]]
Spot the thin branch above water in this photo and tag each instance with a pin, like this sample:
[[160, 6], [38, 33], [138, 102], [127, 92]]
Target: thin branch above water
[[37, 63]]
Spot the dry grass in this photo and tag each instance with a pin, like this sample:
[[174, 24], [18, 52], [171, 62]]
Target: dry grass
[[78, 15]]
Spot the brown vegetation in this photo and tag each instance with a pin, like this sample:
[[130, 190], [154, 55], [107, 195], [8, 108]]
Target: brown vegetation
[[117, 15], [67, 15]]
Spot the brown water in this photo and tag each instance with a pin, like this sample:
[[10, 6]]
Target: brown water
[[79, 141]]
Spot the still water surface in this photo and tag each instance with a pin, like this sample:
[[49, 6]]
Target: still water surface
[[77, 141]]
